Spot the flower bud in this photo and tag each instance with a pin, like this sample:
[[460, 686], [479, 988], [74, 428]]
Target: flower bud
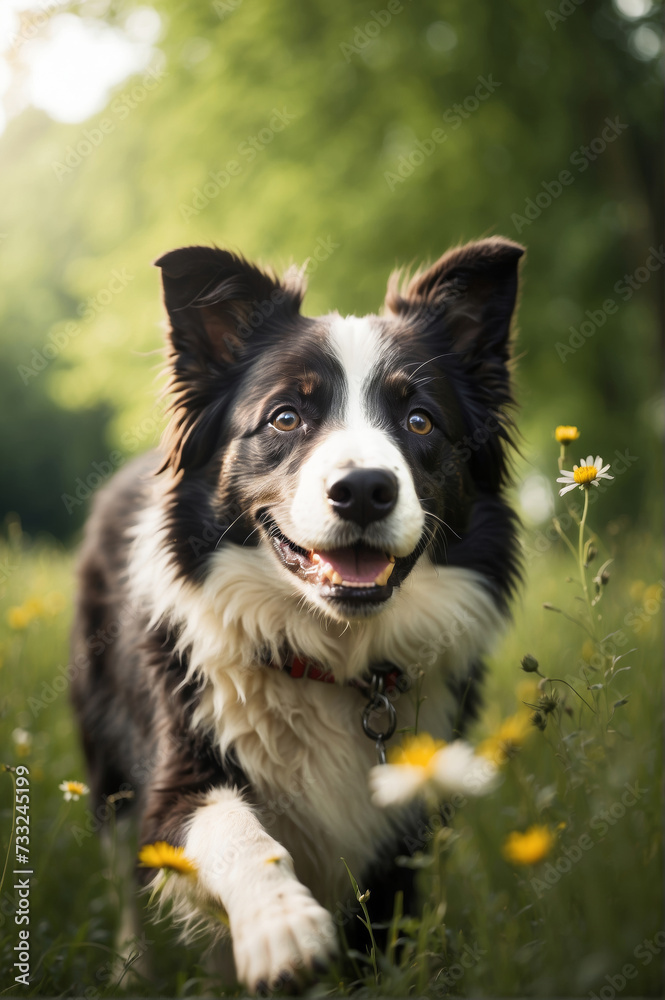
[[529, 664], [539, 720], [591, 554]]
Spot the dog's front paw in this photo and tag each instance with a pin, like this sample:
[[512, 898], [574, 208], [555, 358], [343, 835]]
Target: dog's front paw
[[281, 938]]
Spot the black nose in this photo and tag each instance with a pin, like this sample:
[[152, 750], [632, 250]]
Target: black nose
[[362, 495]]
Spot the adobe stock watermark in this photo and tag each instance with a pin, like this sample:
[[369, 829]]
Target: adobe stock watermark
[[121, 108], [101, 471], [33, 20], [263, 310], [565, 9], [364, 35], [60, 338], [625, 288], [455, 117], [581, 159], [223, 8], [247, 151], [634, 621], [645, 952], [600, 824]]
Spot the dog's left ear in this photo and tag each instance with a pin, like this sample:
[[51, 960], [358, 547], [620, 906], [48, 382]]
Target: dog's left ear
[[467, 296]]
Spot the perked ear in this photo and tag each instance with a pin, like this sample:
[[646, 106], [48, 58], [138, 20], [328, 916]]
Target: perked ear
[[468, 294], [216, 302], [215, 299]]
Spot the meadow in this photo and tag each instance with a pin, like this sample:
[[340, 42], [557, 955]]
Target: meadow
[[550, 885]]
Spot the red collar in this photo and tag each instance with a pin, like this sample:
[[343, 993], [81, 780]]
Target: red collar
[[298, 668]]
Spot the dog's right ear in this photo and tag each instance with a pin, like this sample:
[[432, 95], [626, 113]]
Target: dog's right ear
[[216, 301]]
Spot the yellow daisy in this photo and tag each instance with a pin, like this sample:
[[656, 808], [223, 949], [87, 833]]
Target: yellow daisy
[[530, 847], [163, 855]]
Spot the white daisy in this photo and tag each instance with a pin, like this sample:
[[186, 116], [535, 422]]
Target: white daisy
[[73, 790], [586, 474], [423, 766]]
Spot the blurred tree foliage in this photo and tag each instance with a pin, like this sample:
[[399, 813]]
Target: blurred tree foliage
[[332, 109]]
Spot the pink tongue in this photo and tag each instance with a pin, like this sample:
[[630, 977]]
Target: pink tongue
[[357, 565]]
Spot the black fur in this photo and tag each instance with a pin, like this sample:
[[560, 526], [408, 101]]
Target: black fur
[[239, 348]]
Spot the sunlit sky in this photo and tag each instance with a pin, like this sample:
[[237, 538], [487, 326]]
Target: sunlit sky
[[67, 63]]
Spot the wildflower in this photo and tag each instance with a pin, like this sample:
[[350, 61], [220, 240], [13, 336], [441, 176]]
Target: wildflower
[[587, 473], [548, 703], [428, 767], [18, 618], [73, 790], [539, 721], [508, 739], [163, 855], [565, 434], [529, 664], [22, 741], [530, 847]]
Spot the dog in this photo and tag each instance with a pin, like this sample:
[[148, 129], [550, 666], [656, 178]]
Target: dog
[[323, 523]]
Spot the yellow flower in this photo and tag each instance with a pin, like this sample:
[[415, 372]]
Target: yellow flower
[[587, 473], [416, 751], [654, 592], [588, 650], [507, 740], [426, 767], [566, 434], [163, 855], [18, 617], [530, 847], [73, 790]]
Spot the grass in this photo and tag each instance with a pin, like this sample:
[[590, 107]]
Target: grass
[[567, 925]]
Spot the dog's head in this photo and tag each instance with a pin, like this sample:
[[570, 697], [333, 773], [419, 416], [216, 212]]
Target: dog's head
[[345, 447]]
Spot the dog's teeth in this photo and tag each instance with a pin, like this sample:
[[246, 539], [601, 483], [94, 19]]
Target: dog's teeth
[[382, 579], [314, 557], [336, 578], [391, 558], [326, 570]]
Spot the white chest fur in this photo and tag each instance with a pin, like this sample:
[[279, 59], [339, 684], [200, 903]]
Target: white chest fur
[[300, 742]]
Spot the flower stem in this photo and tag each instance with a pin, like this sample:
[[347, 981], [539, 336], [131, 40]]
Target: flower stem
[[10, 772], [580, 557]]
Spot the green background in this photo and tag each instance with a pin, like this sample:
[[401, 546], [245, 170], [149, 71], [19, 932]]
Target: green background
[[76, 243], [359, 104]]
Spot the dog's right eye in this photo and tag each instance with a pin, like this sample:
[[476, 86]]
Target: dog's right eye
[[287, 420]]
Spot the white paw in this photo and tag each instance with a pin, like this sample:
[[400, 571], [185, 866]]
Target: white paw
[[280, 936]]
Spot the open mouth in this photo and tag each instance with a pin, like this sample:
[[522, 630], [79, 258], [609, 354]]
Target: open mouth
[[355, 573]]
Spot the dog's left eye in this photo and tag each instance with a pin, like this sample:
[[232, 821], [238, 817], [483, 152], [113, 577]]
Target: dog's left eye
[[287, 420], [419, 422]]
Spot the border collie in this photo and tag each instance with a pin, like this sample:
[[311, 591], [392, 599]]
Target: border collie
[[327, 504]]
